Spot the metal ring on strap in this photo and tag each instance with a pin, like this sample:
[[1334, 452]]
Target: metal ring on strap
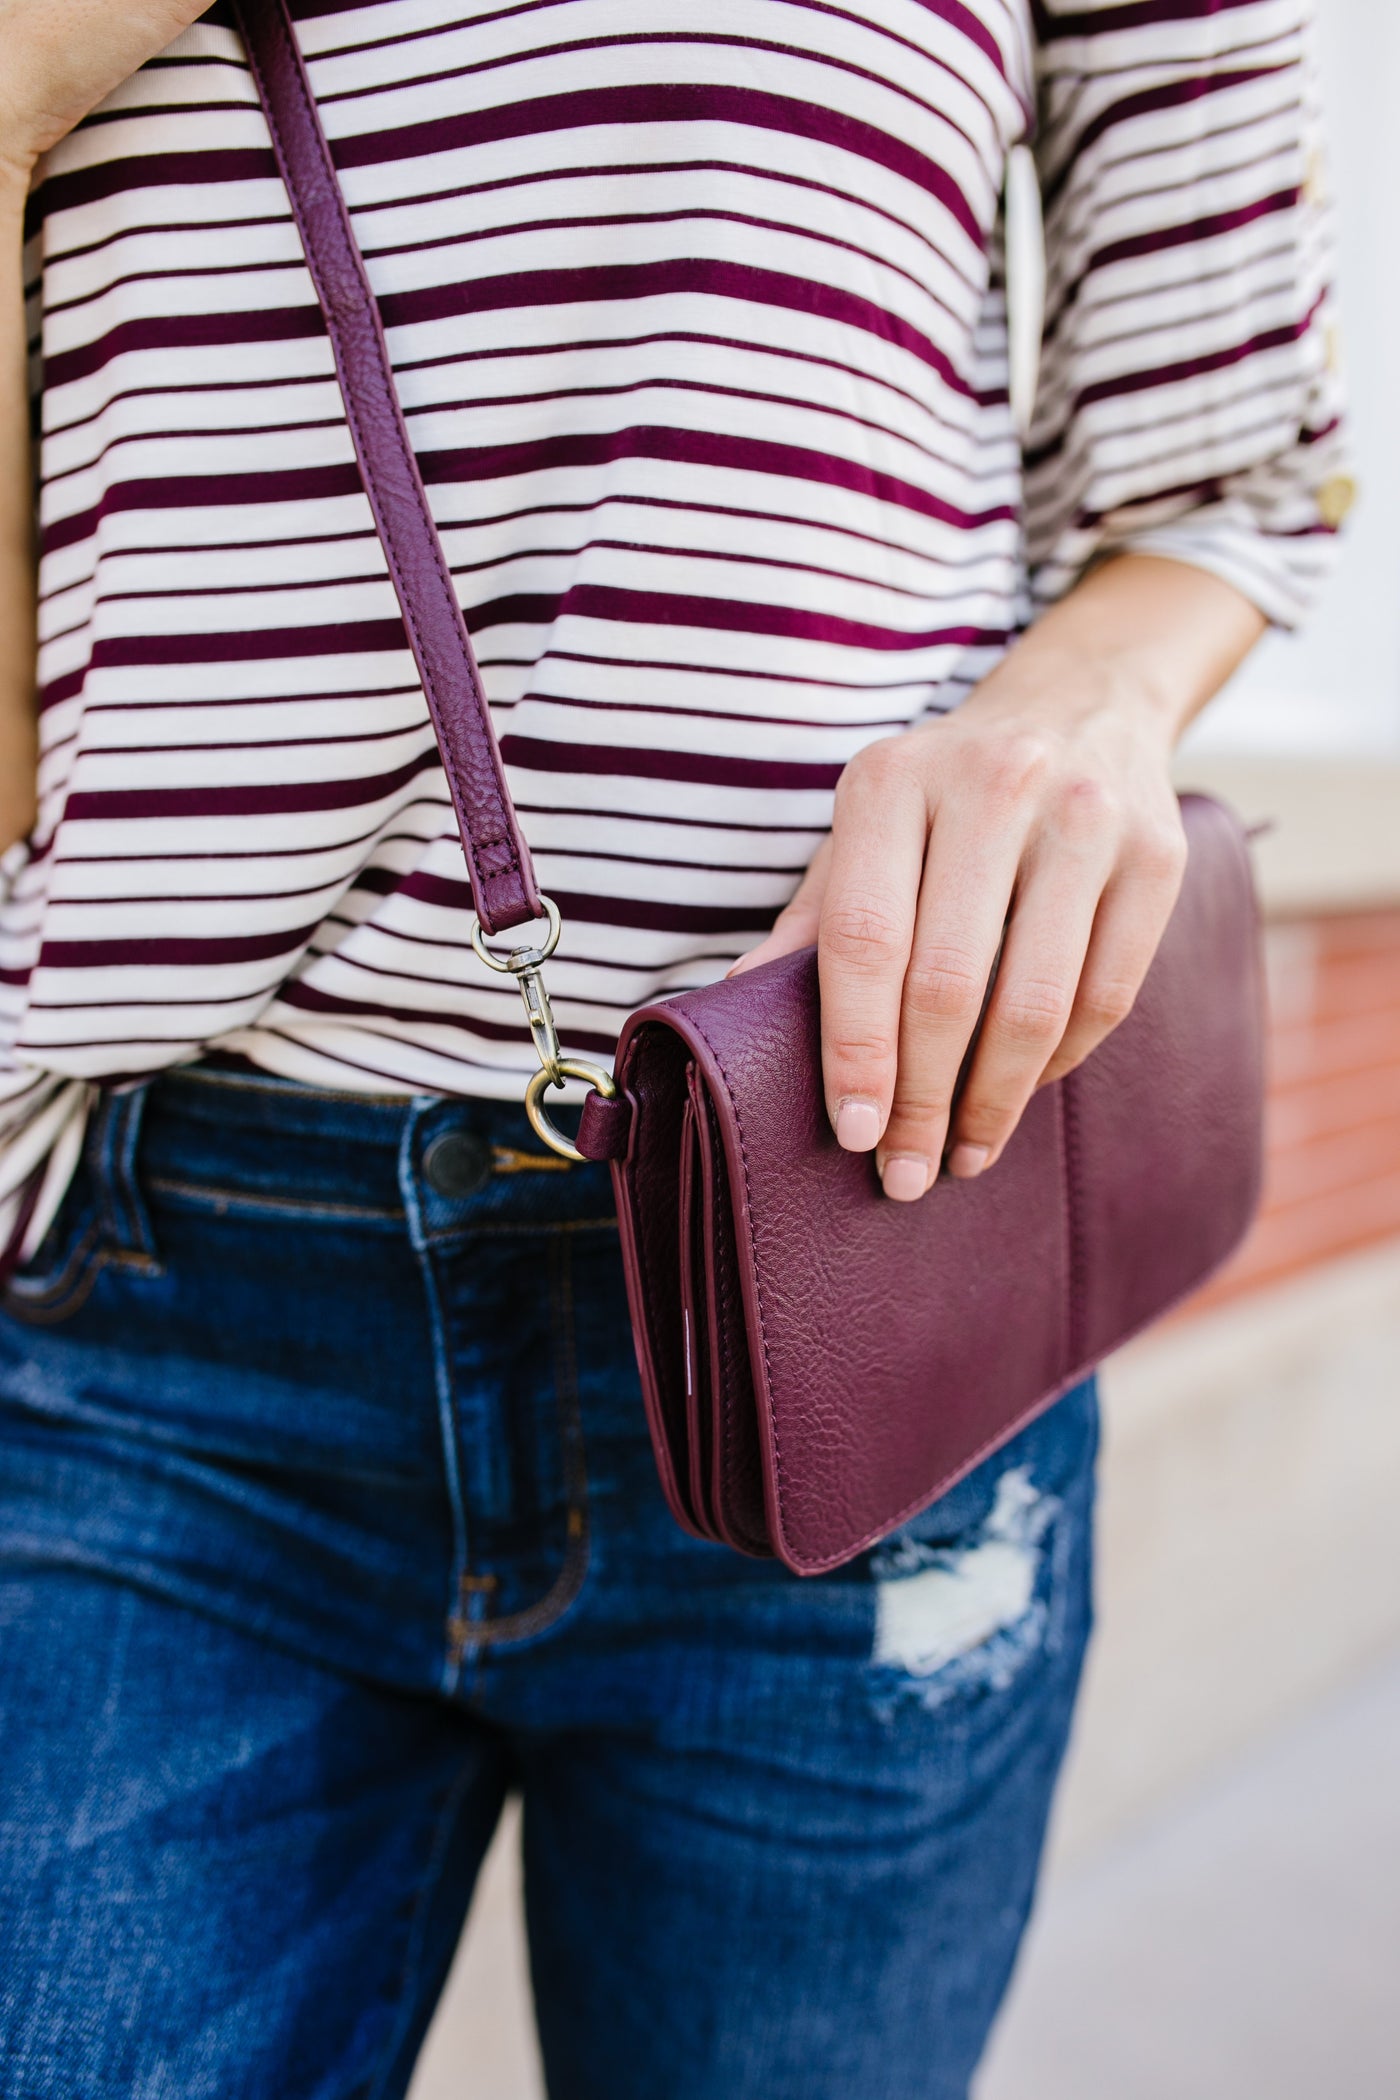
[[540, 1123], [520, 958]]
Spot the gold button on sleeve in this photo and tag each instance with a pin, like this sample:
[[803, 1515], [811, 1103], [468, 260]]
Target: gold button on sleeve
[[1335, 498], [1315, 177]]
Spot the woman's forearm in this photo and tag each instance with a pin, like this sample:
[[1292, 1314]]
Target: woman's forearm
[[17, 725], [1141, 635]]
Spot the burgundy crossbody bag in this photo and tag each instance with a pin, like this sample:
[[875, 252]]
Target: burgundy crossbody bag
[[819, 1362]]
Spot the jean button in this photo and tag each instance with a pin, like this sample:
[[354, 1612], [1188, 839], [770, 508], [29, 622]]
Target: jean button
[[457, 1164]]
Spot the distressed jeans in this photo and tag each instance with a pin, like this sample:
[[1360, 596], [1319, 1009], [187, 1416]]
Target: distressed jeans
[[328, 1518]]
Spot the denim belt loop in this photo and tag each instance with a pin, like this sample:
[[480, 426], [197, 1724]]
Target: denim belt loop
[[115, 1142]]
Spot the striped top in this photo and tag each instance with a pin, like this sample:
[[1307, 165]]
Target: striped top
[[698, 315]]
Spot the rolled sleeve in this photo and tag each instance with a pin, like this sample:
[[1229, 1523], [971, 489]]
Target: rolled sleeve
[[1189, 402]]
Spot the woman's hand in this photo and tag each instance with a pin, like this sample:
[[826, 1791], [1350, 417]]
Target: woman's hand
[[1037, 821], [62, 56]]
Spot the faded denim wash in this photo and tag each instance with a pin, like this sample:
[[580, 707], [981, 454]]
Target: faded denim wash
[[327, 1517]]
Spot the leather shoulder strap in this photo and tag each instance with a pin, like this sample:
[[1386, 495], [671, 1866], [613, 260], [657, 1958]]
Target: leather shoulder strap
[[498, 860]]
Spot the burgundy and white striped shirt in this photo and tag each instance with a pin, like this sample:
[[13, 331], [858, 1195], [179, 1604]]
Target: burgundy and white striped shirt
[[697, 310]]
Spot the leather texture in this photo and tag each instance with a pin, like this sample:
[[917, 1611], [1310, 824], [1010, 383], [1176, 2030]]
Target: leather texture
[[819, 1363], [498, 860]]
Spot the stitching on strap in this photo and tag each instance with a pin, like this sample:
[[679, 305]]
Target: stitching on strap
[[338, 325], [1078, 1249]]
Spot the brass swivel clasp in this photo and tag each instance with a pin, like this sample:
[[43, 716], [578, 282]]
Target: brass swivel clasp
[[526, 966]]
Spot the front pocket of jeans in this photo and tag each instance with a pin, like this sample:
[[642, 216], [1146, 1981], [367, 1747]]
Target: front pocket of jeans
[[58, 1276]]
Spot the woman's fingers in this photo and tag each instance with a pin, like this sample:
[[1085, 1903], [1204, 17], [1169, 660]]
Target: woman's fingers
[[968, 880], [1031, 1004], [1128, 928], [935, 839], [867, 923]]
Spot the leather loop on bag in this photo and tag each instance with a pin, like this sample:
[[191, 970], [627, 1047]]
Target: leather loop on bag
[[605, 1127]]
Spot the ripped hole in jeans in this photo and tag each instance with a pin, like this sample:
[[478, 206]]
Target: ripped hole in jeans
[[950, 1620]]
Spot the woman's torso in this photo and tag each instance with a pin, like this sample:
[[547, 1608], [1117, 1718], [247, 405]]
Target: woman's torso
[[695, 314]]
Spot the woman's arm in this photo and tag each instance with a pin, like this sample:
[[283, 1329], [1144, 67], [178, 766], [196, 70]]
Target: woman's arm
[[1042, 806], [1185, 461], [58, 59]]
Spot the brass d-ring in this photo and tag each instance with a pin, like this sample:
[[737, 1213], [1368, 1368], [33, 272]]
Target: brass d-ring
[[520, 959], [568, 1068]]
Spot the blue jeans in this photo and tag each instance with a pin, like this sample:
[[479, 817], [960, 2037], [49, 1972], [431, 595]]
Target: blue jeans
[[327, 1517]]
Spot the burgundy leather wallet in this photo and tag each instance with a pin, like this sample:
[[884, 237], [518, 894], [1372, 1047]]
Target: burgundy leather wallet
[[818, 1362]]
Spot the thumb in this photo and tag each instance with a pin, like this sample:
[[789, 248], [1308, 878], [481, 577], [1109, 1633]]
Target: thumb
[[796, 924]]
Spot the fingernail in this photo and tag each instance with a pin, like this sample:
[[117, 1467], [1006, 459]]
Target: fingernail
[[858, 1124], [965, 1161], [905, 1177]]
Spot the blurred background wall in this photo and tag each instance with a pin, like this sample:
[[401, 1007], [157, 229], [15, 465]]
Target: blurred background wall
[[1222, 1909], [1221, 1914]]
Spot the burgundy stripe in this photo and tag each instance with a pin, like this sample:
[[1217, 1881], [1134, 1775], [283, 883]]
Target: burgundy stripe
[[612, 283], [1054, 27], [597, 601], [315, 999], [586, 448], [1206, 229], [54, 691], [687, 40], [205, 271], [1171, 94], [957, 16], [569, 450], [153, 952], [658, 102], [184, 332], [715, 769], [1163, 375], [1196, 494], [596, 222], [252, 645], [584, 601], [964, 19], [663, 915], [250, 799], [206, 492], [1194, 367], [144, 171], [650, 913]]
